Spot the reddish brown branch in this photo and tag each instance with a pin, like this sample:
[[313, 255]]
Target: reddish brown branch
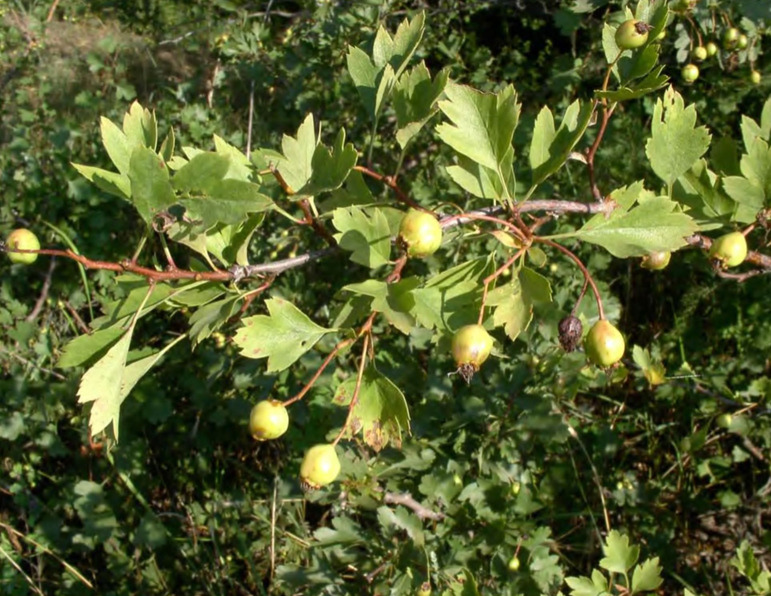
[[606, 114], [317, 226], [390, 183], [127, 266], [490, 278], [581, 266], [43, 293], [300, 394]]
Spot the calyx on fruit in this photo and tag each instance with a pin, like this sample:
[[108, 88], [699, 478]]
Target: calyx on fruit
[[22, 239], [632, 34], [570, 331], [425, 589], [268, 420], [604, 344], [319, 467], [656, 261], [690, 73], [729, 250], [420, 233], [471, 345]]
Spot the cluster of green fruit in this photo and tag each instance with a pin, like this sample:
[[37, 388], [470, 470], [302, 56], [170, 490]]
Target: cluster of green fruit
[[269, 420], [727, 251], [633, 34], [420, 235], [732, 40]]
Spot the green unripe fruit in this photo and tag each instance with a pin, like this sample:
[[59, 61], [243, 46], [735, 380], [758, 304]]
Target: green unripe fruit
[[631, 34], [514, 563], [699, 53], [604, 344], [711, 49], [742, 42], [319, 467], [690, 73], [656, 261], [729, 250], [420, 233], [755, 77], [724, 420], [730, 38], [268, 420], [425, 589], [22, 239], [471, 345]]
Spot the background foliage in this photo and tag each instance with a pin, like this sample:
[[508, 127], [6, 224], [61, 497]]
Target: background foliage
[[532, 459]]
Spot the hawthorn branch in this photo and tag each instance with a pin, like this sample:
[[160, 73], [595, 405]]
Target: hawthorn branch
[[43, 293], [313, 222], [237, 273], [390, 182], [409, 502]]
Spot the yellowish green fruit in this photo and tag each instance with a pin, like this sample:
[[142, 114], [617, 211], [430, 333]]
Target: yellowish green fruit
[[699, 53], [690, 73], [742, 41], [730, 38], [724, 420], [632, 34], [514, 563], [22, 239], [711, 49], [319, 467], [471, 345], [729, 250], [425, 589], [755, 77], [420, 233], [604, 344], [656, 261], [268, 420]]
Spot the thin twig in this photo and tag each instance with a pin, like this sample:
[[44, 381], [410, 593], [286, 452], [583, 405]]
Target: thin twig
[[390, 183], [23, 360], [356, 389], [572, 432], [582, 267], [51, 11], [407, 500], [300, 394], [43, 293]]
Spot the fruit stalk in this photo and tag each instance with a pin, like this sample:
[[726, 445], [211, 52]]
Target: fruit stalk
[[355, 396], [582, 267], [487, 280]]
